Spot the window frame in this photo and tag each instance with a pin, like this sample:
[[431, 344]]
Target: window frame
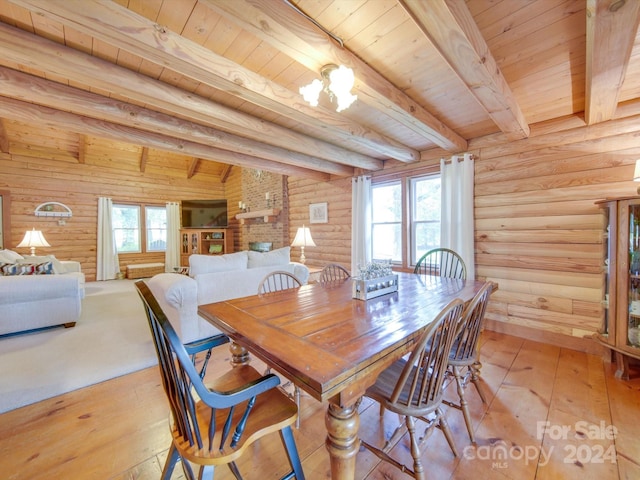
[[142, 226], [406, 181]]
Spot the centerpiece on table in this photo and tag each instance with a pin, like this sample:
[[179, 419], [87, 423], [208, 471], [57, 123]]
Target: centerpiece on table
[[374, 279]]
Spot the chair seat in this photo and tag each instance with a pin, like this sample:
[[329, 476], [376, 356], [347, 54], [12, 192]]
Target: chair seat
[[272, 411], [382, 390]]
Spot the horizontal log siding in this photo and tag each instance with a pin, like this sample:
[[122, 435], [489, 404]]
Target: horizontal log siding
[[332, 239], [538, 233], [42, 166]]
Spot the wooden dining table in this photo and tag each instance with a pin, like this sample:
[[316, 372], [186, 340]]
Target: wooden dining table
[[334, 346]]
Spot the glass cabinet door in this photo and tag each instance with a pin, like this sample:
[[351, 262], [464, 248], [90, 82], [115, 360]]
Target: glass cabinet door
[[609, 258], [632, 333]]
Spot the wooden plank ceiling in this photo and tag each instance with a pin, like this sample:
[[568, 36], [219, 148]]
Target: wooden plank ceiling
[[218, 80]]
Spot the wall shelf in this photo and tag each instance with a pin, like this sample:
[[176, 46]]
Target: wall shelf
[[269, 215], [48, 209]]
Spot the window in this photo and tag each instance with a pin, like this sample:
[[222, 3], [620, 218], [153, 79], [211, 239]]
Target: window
[[156, 222], [405, 218], [386, 224], [128, 231]]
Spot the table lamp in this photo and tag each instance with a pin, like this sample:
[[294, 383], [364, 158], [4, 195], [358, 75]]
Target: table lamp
[[32, 239], [303, 239]]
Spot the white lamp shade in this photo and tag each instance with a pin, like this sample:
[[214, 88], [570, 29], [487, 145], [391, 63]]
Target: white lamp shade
[[303, 238], [33, 238], [636, 172]]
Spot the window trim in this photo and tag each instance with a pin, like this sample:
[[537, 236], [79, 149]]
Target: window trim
[[142, 226], [405, 178]]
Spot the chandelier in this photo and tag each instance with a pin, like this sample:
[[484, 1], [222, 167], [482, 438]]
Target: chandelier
[[336, 81]]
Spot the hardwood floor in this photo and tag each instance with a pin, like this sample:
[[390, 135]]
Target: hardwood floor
[[538, 395]]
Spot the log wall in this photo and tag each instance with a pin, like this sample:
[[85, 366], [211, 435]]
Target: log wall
[[44, 165], [538, 232]]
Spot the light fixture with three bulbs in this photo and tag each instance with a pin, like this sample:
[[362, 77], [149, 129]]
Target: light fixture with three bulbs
[[337, 82]]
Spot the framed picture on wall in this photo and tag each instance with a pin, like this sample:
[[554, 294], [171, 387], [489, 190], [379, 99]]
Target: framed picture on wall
[[318, 213]]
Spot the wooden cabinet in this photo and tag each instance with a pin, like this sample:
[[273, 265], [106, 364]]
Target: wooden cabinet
[[621, 321], [208, 241]]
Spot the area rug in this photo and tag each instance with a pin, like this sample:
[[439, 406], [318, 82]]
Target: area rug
[[110, 339]]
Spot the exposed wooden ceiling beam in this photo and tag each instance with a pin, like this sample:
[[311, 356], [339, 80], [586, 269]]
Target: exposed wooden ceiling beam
[[611, 33], [450, 27], [17, 45], [144, 156], [125, 29], [226, 171], [28, 112], [191, 171], [82, 148], [288, 31], [22, 86], [4, 139]]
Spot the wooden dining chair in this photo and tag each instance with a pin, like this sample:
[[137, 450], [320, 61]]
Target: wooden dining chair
[[413, 387], [278, 280], [333, 273], [442, 262], [215, 423], [275, 282], [463, 362]]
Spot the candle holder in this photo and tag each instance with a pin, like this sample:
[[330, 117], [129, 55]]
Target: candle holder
[[271, 200]]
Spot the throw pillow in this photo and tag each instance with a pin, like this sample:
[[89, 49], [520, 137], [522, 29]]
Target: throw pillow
[[6, 268], [45, 268], [279, 256], [55, 263]]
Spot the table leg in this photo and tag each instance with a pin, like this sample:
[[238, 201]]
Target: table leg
[[239, 355], [342, 440]]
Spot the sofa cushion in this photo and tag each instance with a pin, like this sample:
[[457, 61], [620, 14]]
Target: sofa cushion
[[9, 256], [279, 256], [217, 263]]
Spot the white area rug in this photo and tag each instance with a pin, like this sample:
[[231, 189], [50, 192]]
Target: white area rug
[[110, 339]]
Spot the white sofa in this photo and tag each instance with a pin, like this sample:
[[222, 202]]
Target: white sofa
[[214, 278], [30, 302]]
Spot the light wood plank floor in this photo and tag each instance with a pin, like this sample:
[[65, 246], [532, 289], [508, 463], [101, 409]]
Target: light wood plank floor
[[551, 414]]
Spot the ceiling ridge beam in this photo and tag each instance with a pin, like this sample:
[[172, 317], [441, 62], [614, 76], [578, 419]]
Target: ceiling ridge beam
[[23, 86], [283, 28], [125, 29], [17, 45], [49, 117], [450, 27]]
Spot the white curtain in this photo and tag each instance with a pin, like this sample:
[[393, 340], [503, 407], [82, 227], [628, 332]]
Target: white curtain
[[108, 265], [456, 222], [172, 253], [360, 222]]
